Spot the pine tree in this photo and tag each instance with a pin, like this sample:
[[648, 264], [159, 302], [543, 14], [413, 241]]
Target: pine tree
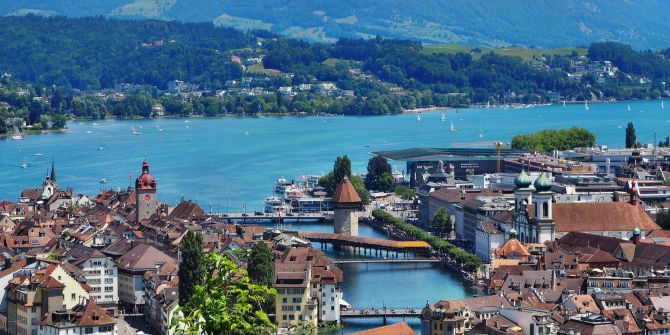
[[191, 269], [631, 138], [260, 266]]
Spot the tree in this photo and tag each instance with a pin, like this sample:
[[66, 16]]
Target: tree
[[191, 270], [442, 222], [379, 175], [260, 266], [341, 169], [58, 121], [3, 125], [225, 303], [404, 192], [663, 218], [549, 139], [631, 138]]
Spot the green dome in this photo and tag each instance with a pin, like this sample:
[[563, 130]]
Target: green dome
[[44, 195], [523, 180], [636, 231], [542, 183], [512, 233]]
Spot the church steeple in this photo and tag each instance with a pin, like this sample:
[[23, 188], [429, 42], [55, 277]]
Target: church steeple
[[52, 176]]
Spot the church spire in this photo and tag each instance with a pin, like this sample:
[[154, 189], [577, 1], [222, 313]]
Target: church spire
[[52, 177]]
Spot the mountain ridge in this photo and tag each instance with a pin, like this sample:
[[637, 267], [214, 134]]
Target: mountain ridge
[[547, 24]]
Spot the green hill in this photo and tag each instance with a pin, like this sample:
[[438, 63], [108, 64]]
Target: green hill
[[495, 23]]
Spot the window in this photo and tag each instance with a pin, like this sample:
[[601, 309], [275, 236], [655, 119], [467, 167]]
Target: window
[[88, 330], [298, 308], [284, 300], [284, 317], [73, 297]]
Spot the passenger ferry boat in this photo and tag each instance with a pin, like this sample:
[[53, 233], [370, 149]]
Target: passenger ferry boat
[[281, 184], [293, 192], [275, 204]]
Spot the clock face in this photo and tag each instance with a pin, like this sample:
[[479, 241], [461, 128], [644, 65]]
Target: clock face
[[147, 197]]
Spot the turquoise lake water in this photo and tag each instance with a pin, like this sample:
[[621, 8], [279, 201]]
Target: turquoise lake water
[[225, 163]]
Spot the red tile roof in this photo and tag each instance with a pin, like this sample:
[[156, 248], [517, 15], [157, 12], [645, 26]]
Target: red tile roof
[[345, 193], [399, 328], [608, 216]]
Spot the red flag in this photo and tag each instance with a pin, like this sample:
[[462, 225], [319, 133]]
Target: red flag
[[535, 152]]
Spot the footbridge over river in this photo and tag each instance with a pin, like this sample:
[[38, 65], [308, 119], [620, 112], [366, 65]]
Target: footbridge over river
[[368, 245]]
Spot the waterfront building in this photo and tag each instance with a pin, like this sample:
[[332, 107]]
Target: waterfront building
[[489, 237], [307, 287], [451, 317], [145, 194], [481, 209], [346, 204], [132, 266], [84, 318]]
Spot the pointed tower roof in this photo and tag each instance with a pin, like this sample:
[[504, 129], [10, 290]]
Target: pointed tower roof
[[345, 193], [52, 177]]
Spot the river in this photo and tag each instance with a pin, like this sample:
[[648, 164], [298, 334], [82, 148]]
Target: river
[[393, 285], [228, 163]]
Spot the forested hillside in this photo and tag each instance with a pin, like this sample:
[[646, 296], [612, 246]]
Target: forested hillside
[[559, 23]]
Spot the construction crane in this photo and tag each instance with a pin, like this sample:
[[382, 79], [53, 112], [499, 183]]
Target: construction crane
[[498, 146]]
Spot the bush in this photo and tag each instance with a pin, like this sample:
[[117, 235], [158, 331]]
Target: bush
[[469, 262]]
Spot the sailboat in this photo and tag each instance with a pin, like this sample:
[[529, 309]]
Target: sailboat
[[662, 105], [451, 127], [586, 105], [488, 104], [481, 132], [418, 118], [443, 118], [563, 102], [629, 107]]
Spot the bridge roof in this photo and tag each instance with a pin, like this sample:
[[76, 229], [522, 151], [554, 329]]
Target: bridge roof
[[364, 241]]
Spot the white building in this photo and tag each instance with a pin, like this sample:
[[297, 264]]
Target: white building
[[100, 272], [489, 237]]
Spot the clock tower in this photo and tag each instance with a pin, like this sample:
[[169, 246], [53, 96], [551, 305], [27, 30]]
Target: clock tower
[[145, 192]]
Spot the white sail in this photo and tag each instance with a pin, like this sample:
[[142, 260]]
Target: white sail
[[418, 118], [443, 118], [586, 105], [563, 102], [451, 127], [629, 107], [662, 105]]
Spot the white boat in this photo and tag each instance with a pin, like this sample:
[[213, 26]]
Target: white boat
[[443, 118], [619, 126], [24, 165], [246, 133], [488, 105], [481, 132], [103, 181], [563, 102], [95, 124], [274, 205], [89, 132], [160, 129], [17, 137], [281, 184], [100, 148], [418, 118], [586, 105], [293, 192], [38, 154], [451, 127], [135, 131], [629, 107]]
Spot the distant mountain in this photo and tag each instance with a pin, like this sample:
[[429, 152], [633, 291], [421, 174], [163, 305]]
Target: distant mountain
[[539, 23]]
